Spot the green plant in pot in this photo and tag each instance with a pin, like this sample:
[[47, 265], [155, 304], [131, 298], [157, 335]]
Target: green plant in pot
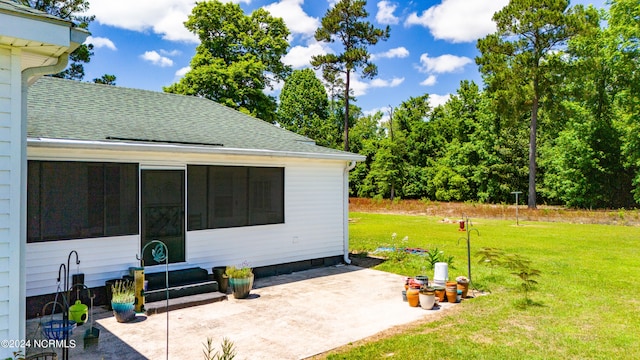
[[123, 300], [240, 280]]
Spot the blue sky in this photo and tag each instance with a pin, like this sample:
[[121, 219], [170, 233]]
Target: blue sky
[[431, 49]]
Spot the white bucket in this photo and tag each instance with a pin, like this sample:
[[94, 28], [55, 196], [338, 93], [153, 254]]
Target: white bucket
[[440, 273]]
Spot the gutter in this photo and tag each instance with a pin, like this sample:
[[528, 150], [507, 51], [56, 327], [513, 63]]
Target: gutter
[[345, 211], [35, 72], [130, 146]]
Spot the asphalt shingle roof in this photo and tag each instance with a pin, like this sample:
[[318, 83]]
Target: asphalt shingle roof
[[10, 6], [72, 110]]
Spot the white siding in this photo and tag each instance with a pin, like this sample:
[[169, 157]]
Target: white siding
[[5, 120], [101, 259], [313, 225], [11, 295]]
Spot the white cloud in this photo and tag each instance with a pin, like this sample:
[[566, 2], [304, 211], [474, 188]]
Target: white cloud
[[170, 52], [300, 56], [459, 20], [443, 64], [358, 86], [429, 81], [100, 42], [399, 52], [383, 110], [332, 3], [435, 99], [385, 13], [277, 87], [386, 83], [297, 21], [156, 59], [163, 17], [183, 71]]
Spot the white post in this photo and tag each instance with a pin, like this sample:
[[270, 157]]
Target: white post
[[517, 193]]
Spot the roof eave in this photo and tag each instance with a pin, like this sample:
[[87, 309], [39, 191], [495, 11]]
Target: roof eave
[[128, 146]]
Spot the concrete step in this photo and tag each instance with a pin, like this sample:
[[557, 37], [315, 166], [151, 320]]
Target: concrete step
[[181, 291], [160, 306]]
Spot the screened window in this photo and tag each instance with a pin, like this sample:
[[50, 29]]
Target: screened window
[[231, 196], [74, 200]]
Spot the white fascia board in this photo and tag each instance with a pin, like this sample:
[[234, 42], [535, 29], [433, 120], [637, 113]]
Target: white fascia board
[[39, 30], [124, 146]]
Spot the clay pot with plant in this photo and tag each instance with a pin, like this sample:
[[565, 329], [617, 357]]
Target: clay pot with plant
[[240, 280], [123, 300], [463, 285]]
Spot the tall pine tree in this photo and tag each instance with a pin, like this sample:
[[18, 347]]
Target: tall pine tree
[[345, 23]]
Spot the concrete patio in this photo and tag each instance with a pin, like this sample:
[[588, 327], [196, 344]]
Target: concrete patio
[[291, 316]]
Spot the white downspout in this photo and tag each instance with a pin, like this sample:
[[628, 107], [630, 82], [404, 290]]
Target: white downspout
[[345, 210], [22, 182]]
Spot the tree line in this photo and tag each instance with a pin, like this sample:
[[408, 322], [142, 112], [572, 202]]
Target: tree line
[[561, 101], [557, 116]]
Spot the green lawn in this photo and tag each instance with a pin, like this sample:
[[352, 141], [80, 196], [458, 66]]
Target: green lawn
[[584, 307]]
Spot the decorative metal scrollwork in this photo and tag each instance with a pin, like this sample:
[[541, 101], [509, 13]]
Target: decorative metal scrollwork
[[158, 253]]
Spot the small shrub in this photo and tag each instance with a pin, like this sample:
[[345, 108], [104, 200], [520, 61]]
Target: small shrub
[[227, 346], [242, 272], [490, 256], [436, 255], [519, 266], [123, 292], [398, 254]]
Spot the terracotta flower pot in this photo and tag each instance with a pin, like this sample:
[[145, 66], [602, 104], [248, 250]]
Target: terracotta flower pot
[[451, 296], [413, 297], [464, 287]]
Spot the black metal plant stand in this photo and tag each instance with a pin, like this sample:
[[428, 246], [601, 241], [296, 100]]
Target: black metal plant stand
[[63, 275], [160, 254], [468, 238]]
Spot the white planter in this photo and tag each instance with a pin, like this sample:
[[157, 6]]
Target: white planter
[[427, 301]]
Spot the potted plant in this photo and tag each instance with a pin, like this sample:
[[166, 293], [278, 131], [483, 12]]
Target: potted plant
[[241, 280], [463, 284], [123, 300], [220, 275]]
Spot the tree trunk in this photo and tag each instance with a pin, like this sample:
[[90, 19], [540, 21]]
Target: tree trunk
[[346, 112], [533, 147]]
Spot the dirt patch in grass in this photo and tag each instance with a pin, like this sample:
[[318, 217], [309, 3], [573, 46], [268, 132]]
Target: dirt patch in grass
[[452, 211]]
